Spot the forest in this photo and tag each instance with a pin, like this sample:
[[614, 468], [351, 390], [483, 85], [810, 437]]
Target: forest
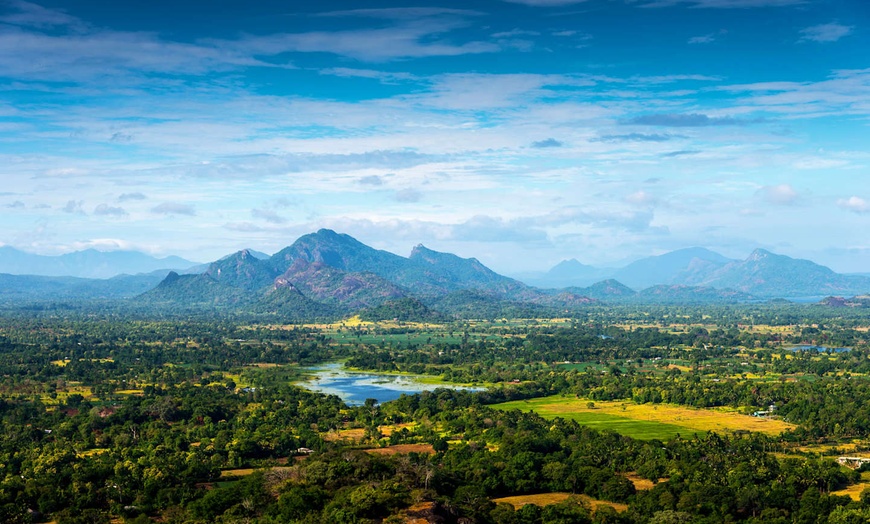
[[123, 418]]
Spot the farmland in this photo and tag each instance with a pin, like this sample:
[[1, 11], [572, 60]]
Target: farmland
[[647, 421]]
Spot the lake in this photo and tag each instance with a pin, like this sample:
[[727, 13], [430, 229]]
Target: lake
[[355, 387]]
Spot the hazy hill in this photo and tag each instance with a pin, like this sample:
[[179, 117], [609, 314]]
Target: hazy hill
[[664, 269], [767, 274], [568, 273], [29, 288], [609, 290], [762, 274], [89, 263]]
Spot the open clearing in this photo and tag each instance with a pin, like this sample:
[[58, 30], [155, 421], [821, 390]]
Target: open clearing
[[853, 491], [356, 434], [545, 499], [646, 421], [403, 448]]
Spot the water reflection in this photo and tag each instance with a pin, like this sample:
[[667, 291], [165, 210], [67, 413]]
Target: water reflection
[[355, 387]]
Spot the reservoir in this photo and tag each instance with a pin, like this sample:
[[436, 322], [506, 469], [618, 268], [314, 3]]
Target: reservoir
[[355, 387]]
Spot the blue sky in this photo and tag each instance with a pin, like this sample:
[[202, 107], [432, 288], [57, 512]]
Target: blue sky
[[519, 132]]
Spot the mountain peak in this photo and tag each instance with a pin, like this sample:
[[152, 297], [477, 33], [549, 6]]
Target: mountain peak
[[419, 250], [759, 254]]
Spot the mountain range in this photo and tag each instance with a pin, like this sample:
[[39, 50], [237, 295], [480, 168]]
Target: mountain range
[[89, 263], [327, 274], [762, 274], [326, 271]]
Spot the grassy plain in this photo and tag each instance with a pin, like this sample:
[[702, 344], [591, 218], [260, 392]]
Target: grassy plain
[[855, 490], [646, 421], [545, 499]]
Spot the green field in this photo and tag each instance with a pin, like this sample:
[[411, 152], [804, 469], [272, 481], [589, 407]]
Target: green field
[[639, 429], [647, 421]]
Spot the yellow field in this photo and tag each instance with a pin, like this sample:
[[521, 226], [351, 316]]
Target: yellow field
[[641, 484], [129, 391], [853, 491], [545, 499], [719, 420], [359, 433], [64, 362], [402, 448], [244, 472]]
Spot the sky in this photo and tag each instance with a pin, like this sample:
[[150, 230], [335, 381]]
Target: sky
[[519, 132]]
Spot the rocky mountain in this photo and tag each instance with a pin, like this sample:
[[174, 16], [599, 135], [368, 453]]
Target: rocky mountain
[[89, 263], [339, 272], [325, 274]]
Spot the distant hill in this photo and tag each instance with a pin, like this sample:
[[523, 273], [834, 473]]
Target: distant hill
[[607, 290], [29, 288], [89, 263], [666, 268], [766, 274], [761, 275], [568, 273], [679, 294]]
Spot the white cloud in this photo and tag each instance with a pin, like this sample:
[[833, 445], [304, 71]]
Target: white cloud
[[830, 32], [725, 4], [705, 39], [174, 208], [269, 216], [782, 194], [74, 206], [33, 15], [546, 3], [641, 198], [854, 204], [107, 210]]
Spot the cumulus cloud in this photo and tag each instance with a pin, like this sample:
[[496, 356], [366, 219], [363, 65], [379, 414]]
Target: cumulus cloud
[[124, 197], [636, 137], [854, 204], [782, 194], [268, 216], [371, 180], [686, 120], [107, 210], [174, 208], [74, 206], [16, 205], [705, 39], [491, 229], [825, 32], [410, 37], [641, 198], [550, 142]]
